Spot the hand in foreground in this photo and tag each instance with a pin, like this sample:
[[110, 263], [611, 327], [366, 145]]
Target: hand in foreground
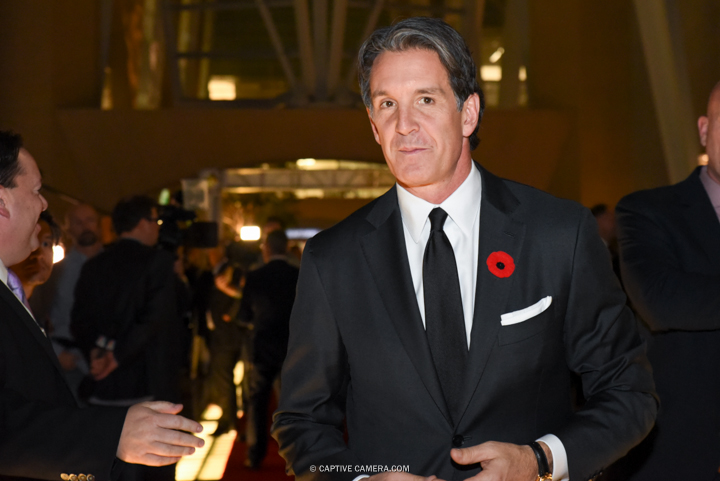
[[500, 461], [401, 477], [152, 435], [102, 364]]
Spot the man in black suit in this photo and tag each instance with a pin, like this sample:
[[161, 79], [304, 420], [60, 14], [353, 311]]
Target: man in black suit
[[266, 304], [451, 311], [125, 318], [670, 257], [43, 433]]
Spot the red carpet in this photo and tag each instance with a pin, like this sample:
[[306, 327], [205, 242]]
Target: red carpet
[[272, 469]]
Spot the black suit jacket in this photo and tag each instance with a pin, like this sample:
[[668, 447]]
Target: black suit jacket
[[43, 432], [267, 301], [127, 293], [670, 254], [358, 347]]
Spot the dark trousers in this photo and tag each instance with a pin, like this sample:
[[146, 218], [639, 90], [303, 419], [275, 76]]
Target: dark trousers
[[227, 347], [262, 378]]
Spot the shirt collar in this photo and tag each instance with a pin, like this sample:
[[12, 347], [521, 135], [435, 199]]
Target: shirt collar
[[3, 273], [711, 187], [462, 206]]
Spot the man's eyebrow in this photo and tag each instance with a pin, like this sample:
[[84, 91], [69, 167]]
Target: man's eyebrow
[[424, 90], [430, 90]]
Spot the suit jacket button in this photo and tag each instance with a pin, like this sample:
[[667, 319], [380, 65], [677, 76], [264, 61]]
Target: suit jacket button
[[73, 477], [90, 477], [64, 477], [82, 477], [458, 440]]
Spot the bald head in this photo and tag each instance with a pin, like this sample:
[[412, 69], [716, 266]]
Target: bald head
[[709, 130], [82, 224]]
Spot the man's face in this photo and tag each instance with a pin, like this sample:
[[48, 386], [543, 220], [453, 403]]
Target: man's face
[[709, 127], [416, 121], [36, 269], [83, 225], [23, 204]]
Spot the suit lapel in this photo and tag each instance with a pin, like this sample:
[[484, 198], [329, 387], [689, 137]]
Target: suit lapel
[[22, 314], [700, 216], [384, 250], [498, 232]]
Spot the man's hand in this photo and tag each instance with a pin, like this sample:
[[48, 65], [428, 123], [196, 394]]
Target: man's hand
[[68, 360], [102, 364], [151, 435], [501, 461], [401, 477]]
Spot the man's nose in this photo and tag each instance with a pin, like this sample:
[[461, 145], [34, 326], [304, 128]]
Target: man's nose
[[44, 202], [406, 122]]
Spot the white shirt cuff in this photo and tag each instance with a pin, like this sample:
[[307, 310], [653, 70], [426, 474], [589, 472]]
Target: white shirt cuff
[[362, 476], [560, 465]]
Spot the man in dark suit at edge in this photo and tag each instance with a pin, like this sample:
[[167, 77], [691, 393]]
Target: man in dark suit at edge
[[669, 240], [451, 311], [43, 433]]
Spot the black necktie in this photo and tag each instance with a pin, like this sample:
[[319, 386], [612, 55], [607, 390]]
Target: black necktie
[[444, 321]]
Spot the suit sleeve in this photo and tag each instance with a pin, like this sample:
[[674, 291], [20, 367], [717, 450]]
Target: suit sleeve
[[666, 296], [309, 422], [603, 346], [40, 440]]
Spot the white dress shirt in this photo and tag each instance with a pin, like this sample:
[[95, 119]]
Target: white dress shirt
[[462, 228]]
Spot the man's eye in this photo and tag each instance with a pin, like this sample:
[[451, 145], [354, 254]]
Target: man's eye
[[426, 100], [386, 104]]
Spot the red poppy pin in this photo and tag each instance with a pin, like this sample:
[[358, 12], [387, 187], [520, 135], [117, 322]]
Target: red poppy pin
[[501, 264]]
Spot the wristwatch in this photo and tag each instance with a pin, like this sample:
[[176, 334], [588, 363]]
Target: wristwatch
[[544, 473]]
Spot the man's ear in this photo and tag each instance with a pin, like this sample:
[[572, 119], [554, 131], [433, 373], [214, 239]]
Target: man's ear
[[4, 212], [470, 114], [702, 129], [372, 124]]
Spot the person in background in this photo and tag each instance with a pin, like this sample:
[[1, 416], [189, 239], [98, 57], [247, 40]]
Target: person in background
[[669, 241], [55, 298], [226, 345], [266, 304], [125, 318], [36, 269]]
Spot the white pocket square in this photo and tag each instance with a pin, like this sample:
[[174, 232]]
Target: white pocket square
[[526, 313]]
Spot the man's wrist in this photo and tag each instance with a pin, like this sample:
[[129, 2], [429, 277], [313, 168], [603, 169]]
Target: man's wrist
[[542, 465], [548, 454]]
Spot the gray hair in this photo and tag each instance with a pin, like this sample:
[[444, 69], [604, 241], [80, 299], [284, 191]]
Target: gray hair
[[428, 34]]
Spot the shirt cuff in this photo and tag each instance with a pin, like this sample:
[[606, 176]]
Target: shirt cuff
[[560, 464], [362, 476]]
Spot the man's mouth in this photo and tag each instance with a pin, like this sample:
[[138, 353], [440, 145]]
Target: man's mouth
[[411, 150]]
